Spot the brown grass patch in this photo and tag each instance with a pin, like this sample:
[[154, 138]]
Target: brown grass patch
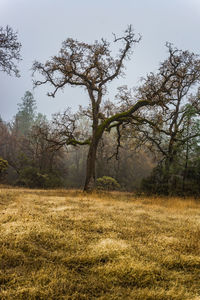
[[60, 244]]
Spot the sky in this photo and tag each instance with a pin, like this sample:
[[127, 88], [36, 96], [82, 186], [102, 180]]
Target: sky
[[43, 25]]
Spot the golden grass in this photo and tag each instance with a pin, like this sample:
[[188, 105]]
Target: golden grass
[[60, 244]]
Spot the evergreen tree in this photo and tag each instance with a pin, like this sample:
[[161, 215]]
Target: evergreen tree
[[26, 114]]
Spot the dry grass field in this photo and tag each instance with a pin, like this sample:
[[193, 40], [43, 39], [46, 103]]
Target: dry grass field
[[60, 244]]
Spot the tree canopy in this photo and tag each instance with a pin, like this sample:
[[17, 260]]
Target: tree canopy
[[93, 67]]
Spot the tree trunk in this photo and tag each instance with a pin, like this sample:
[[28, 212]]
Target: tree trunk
[[168, 167], [91, 165], [97, 132], [185, 168], [186, 158], [167, 176]]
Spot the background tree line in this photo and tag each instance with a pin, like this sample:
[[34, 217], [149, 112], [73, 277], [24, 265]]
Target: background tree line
[[35, 162], [153, 128]]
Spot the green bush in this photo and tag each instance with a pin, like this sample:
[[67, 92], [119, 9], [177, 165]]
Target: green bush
[[53, 180], [107, 183], [3, 167], [33, 178], [156, 183]]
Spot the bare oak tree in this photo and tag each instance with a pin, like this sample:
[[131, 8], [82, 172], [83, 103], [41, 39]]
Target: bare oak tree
[[168, 131], [9, 51], [93, 67]]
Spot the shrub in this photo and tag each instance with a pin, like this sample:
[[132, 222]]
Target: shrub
[[3, 167], [107, 183], [33, 178]]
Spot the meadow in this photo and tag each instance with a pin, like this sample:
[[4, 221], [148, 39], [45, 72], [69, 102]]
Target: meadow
[[66, 244]]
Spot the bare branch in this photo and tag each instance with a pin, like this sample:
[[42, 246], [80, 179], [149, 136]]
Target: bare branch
[[9, 51]]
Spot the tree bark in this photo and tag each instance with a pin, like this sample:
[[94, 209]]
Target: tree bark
[[185, 167], [167, 176], [91, 162], [91, 167], [97, 132]]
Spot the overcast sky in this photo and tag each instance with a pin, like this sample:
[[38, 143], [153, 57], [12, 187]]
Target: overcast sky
[[42, 25]]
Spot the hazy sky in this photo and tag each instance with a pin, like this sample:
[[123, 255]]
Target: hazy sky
[[42, 25]]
